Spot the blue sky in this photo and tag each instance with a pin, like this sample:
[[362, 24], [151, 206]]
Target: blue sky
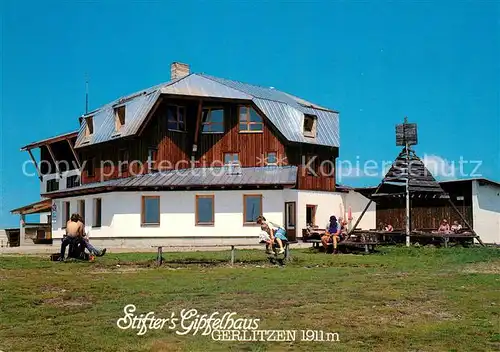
[[437, 63]]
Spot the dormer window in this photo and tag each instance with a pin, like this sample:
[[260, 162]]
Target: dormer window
[[89, 126], [309, 125], [119, 117], [176, 117], [250, 120]]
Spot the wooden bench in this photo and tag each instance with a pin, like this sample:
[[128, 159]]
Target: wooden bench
[[160, 259], [315, 243], [369, 246], [445, 237]]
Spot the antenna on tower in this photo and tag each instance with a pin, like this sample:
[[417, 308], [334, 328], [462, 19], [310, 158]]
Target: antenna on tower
[[86, 94]]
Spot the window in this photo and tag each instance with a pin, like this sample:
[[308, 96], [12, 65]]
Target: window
[[66, 214], [231, 159], [119, 117], [311, 214], [175, 118], [150, 210], [250, 120], [81, 209], [205, 210], [271, 159], [52, 185], [213, 120], [90, 166], [97, 212], [89, 126], [309, 125], [73, 181], [152, 155], [123, 160], [252, 207]]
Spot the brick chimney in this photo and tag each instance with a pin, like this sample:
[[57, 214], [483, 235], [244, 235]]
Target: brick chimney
[[178, 70]]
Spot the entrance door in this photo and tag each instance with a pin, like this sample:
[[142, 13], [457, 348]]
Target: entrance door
[[291, 221]]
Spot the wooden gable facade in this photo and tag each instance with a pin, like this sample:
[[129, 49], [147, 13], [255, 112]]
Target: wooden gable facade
[[173, 149]]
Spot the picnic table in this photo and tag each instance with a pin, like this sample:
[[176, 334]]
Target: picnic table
[[425, 234]]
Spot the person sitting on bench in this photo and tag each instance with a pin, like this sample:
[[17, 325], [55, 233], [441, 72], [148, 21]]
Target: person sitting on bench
[[383, 226], [276, 232], [74, 231], [332, 234], [343, 227], [456, 227], [444, 227]]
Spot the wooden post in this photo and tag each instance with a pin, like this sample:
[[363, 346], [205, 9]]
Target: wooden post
[[360, 217], [466, 223], [232, 255], [22, 230], [364, 211], [287, 252], [159, 258], [77, 159], [197, 129], [53, 158], [408, 172], [36, 165]]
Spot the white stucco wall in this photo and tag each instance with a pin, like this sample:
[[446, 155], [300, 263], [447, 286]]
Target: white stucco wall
[[121, 213], [358, 202], [3, 238], [337, 204], [486, 212], [327, 204], [44, 217]]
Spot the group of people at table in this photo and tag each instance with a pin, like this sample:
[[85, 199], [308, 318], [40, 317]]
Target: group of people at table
[[336, 231], [444, 227]]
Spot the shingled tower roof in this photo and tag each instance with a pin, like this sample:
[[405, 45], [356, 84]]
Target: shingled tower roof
[[408, 166]]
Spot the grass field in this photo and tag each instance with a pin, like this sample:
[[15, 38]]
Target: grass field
[[418, 299]]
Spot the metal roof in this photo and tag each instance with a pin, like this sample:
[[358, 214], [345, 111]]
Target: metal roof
[[196, 177], [284, 111], [200, 86], [136, 110], [478, 179], [50, 140]]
